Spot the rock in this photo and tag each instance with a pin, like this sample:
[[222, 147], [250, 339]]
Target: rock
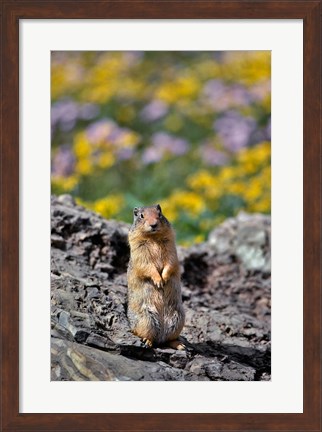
[[226, 295], [247, 238], [58, 242], [236, 372], [66, 199]]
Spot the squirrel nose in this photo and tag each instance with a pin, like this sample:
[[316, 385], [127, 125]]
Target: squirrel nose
[[154, 225]]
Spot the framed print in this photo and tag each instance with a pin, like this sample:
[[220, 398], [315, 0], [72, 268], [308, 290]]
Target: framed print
[[111, 107]]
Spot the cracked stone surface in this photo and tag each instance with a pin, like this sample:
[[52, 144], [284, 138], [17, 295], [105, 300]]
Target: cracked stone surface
[[225, 289]]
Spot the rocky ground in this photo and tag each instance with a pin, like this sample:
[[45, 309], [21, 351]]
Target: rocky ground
[[226, 293]]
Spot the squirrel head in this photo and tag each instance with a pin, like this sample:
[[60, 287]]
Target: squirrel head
[[149, 220]]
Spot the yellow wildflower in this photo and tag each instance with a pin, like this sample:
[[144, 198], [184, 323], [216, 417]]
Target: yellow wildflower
[[247, 68], [253, 190], [250, 167], [106, 160], [189, 202], [236, 188], [130, 88], [97, 93], [207, 69], [183, 87], [262, 152], [82, 147], [227, 173], [84, 166], [199, 238], [261, 206], [65, 184], [130, 139], [108, 206], [169, 210], [202, 179]]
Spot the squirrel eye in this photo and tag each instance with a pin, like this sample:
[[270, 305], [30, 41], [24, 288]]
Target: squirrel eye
[[142, 216]]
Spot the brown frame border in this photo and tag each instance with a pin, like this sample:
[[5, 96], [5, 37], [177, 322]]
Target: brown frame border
[[14, 10]]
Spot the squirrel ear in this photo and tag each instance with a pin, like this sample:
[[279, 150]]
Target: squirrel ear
[[159, 208], [135, 211]]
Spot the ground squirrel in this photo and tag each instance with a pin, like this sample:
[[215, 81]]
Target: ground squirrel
[[155, 308]]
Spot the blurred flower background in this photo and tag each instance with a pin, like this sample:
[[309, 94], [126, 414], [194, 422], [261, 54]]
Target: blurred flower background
[[188, 130]]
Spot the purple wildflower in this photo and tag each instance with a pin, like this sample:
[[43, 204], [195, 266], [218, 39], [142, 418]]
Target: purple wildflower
[[124, 153], [63, 162], [221, 97], [268, 130], [170, 143], [261, 90], [213, 157], [240, 96], [234, 130], [162, 144], [151, 155], [154, 110], [133, 57], [100, 130], [88, 111], [65, 113], [214, 92]]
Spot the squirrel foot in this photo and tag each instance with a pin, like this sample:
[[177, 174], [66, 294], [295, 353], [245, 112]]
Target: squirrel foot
[[176, 344], [147, 343]]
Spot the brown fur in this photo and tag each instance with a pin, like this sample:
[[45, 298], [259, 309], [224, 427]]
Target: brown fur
[[155, 308]]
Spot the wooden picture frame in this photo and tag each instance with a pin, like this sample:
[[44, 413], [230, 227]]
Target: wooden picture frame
[[12, 11]]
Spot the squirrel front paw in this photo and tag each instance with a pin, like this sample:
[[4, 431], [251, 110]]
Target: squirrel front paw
[[157, 280], [166, 273]]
